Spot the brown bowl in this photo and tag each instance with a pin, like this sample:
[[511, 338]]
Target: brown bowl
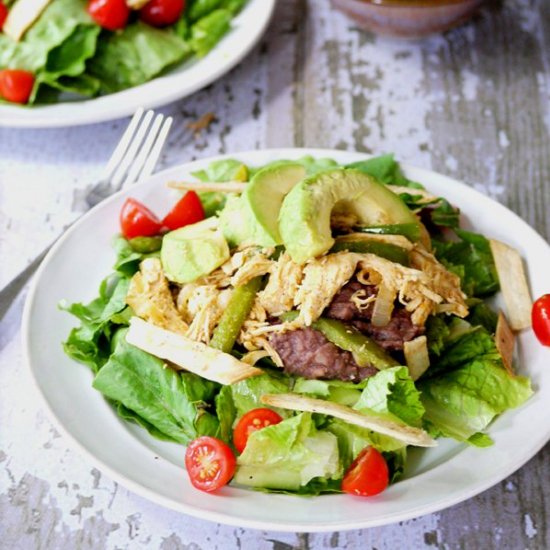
[[408, 18]]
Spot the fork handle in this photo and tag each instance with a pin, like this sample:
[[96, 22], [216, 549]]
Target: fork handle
[[14, 287]]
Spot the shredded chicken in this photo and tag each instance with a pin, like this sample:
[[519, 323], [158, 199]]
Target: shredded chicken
[[150, 297], [425, 288], [258, 265], [202, 306], [284, 280], [323, 278]]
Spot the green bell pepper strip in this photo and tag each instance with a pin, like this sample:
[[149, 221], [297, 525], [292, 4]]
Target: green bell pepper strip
[[409, 230], [146, 245], [365, 351], [384, 250], [233, 317]]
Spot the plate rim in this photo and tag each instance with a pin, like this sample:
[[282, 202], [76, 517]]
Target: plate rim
[[434, 505], [87, 115]]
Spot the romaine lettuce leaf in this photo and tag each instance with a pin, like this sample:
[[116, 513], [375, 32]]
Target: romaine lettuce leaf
[[90, 342], [472, 260], [219, 171], [392, 392], [461, 403], [290, 455], [56, 24], [175, 403], [200, 8], [135, 56], [208, 30], [236, 399], [386, 170]]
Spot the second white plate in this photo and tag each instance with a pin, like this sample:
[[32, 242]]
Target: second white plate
[[247, 28]]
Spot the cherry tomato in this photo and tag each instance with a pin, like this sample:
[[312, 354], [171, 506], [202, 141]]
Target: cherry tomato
[[210, 463], [252, 421], [3, 14], [16, 85], [368, 474], [186, 211], [109, 14], [136, 220], [160, 13], [540, 316]]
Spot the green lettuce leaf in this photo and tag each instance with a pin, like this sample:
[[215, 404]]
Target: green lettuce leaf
[[56, 24], [135, 55], [290, 455], [392, 392], [386, 170], [89, 343], [200, 8], [174, 403], [461, 403], [482, 315], [208, 30], [472, 260], [219, 171], [236, 399]]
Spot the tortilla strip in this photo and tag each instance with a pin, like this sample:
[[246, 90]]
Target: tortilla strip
[[188, 354], [296, 402], [513, 284], [21, 17], [505, 341], [416, 356], [222, 187]]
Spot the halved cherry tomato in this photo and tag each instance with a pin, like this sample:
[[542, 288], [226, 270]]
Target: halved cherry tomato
[[160, 13], [109, 14], [16, 85], [368, 474], [540, 316], [3, 14], [210, 463], [252, 421], [186, 211], [136, 220]]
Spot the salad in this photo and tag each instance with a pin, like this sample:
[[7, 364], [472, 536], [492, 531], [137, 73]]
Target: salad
[[300, 325], [86, 48]]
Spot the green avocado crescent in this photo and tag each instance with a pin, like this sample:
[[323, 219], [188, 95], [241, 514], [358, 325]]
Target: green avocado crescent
[[304, 219]]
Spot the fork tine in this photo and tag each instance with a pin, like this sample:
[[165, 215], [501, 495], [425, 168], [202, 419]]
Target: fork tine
[[120, 149], [149, 165], [133, 147], [141, 157]]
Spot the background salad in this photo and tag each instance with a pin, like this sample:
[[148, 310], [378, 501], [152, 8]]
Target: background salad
[[463, 390], [104, 46]]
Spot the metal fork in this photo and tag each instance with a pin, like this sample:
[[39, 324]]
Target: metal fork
[[133, 159]]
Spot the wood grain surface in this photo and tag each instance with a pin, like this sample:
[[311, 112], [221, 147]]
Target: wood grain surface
[[473, 104]]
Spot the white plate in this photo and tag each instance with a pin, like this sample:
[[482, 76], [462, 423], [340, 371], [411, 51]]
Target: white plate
[[436, 478], [246, 29]]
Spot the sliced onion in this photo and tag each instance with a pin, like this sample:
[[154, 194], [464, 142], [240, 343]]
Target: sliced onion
[[383, 306]]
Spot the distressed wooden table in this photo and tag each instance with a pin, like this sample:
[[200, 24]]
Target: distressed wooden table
[[473, 104]]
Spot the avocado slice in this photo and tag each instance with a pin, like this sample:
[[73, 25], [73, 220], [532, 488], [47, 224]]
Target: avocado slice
[[236, 222], [254, 216], [193, 251], [304, 219]]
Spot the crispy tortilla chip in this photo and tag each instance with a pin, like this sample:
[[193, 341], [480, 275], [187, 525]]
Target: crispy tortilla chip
[[505, 341], [21, 17], [513, 283], [296, 402], [187, 354], [417, 357], [223, 187]]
